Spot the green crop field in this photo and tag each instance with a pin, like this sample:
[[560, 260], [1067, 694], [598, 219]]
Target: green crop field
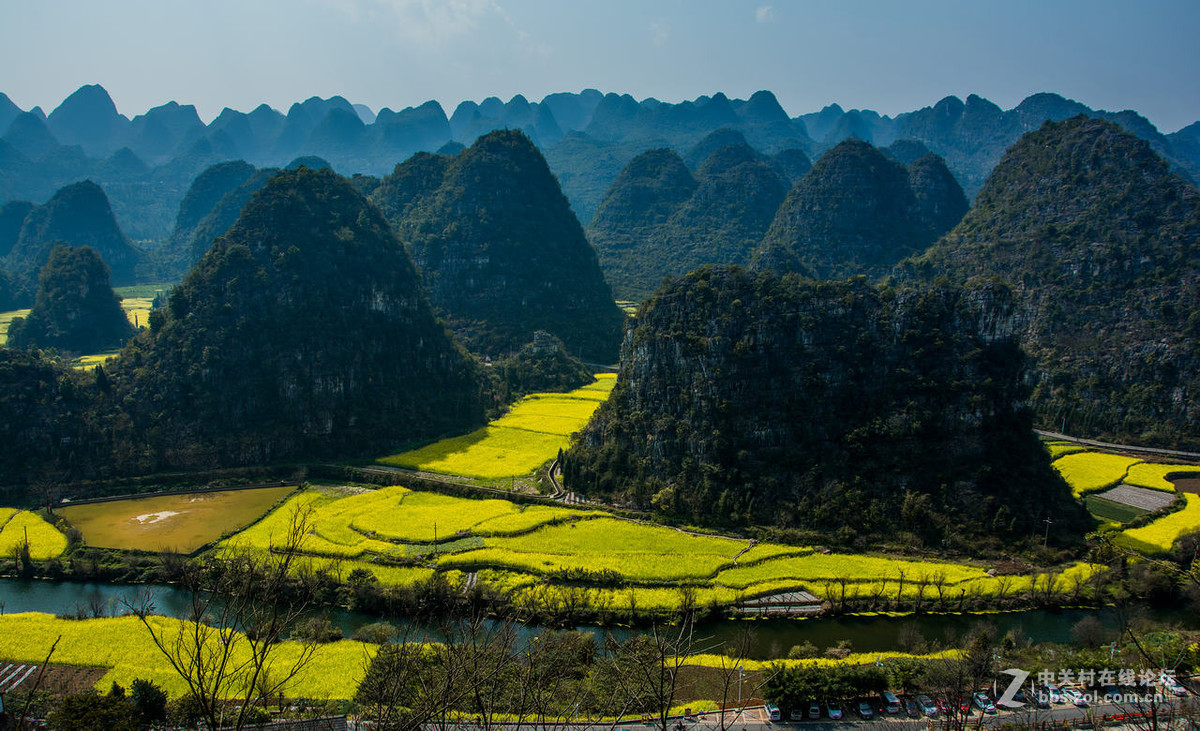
[[1110, 510], [525, 438], [17, 526], [180, 523], [1160, 535], [124, 646], [1090, 471]]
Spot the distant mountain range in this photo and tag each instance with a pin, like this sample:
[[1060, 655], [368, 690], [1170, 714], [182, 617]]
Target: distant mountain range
[[146, 164]]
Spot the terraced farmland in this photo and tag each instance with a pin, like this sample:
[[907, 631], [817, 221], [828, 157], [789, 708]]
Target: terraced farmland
[[549, 555], [522, 440]]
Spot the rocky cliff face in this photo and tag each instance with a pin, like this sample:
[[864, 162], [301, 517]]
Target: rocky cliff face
[[1102, 243], [824, 406], [499, 250]]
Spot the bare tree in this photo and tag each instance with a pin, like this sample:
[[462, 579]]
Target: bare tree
[[647, 667], [242, 605]]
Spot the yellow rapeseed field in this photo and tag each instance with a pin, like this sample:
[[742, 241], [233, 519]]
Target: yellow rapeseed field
[[123, 645], [45, 541], [525, 438], [1154, 476], [1160, 535], [1090, 471]]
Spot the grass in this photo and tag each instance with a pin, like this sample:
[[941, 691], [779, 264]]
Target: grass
[[818, 568], [1110, 510], [179, 523], [1160, 535], [1091, 471], [725, 662], [124, 646], [1154, 476], [525, 438], [17, 526]]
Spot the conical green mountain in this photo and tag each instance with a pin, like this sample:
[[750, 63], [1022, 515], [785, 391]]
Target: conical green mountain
[[1102, 242], [628, 224], [854, 213], [302, 332], [75, 309], [77, 215], [833, 407], [658, 220], [501, 254]]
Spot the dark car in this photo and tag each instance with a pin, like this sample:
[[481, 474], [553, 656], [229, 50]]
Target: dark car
[[865, 710], [911, 709]]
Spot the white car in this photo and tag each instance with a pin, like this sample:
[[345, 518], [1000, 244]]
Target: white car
[[835, 711], [1054, 693], [1074, 697]]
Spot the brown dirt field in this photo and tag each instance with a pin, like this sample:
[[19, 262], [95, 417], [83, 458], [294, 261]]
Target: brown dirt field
[[1188, 484], [59, 679]]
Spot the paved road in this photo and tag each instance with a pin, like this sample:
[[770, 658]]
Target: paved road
[[1122, 447]]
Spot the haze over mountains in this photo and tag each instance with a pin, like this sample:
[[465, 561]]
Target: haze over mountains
[[146, 164]]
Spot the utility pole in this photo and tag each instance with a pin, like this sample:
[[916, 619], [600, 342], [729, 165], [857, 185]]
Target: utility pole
[[1046, 540]]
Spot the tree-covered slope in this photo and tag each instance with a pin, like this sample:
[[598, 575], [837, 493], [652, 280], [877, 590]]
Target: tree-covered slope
[[827, 406], [302, 332], [859, 212], [75, 309], [78, 215], [500, 252], [1102, 242], [658, 220]]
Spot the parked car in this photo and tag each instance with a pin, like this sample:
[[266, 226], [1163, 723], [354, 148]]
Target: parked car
[[835, 711], [891, 703], [943, 705], [814, 710], [1055, 693], [865, 710], [1110, 694], [772, 712], [928, 707], [1074, 697], [910, 708], [797, 714], [983, 703], [1041, 698]]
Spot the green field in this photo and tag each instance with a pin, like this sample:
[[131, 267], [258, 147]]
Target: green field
[[179, 523], [18, 526], [1110, 510], [6, 319], [525, 438]]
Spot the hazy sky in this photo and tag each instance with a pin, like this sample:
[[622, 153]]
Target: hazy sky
[[888, 55]]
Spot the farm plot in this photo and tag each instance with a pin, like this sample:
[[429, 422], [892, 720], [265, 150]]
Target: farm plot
[[560, 557], [18, 526], [1160, 535], [123, 646], [179, 523], [1155, 476], [522, 440], [6, 319], [1091, 471], [1138, 497]]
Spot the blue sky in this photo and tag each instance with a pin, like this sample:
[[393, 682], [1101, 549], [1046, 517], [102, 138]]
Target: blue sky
[[891, 56]]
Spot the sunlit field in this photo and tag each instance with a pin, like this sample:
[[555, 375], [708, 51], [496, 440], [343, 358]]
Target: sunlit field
[[525, 438], [179, 523], [18, 526]]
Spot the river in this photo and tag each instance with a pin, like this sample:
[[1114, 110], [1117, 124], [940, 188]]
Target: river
[[768, 638]]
